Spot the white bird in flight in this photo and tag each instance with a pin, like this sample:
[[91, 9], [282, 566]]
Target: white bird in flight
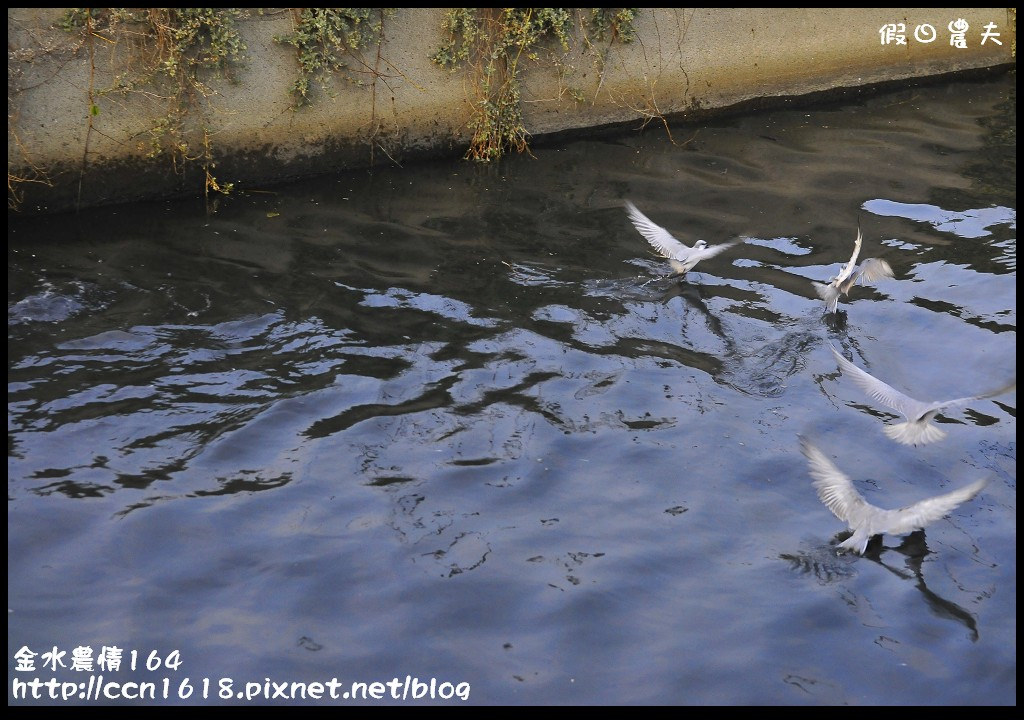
[[870, 270], [865, 520], [681, 257], [919, 428]]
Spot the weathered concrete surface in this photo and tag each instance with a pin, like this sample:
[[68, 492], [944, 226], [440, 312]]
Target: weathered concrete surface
[[683, 60]]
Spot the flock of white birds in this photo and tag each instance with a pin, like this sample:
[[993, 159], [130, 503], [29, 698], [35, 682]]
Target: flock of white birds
[[835, 489]]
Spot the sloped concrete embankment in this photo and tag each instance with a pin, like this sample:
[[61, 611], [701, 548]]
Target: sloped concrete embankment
[[682, 62]]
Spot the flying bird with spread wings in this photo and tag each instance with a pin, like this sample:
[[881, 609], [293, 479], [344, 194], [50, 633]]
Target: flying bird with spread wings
[[918, 428], [836, 490], [681, 257], [849, 275]]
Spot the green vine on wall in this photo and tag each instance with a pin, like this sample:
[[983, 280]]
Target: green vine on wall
[[492, 42], [327, 39], [170, 53], [614, 23]]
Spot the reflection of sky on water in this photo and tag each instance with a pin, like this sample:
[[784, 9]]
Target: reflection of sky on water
[[966, 223], [466, 428]]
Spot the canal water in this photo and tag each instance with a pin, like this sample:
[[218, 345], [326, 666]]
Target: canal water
[[454, 425]]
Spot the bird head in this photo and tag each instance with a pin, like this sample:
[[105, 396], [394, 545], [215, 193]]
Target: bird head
[[699, 245]]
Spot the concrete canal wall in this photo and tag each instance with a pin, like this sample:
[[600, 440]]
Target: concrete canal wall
[[74, 141]]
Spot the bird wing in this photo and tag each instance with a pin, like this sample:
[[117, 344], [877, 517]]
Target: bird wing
[[833, 487], [911, 408], [660, 238], [827, 292], [874, 269], [710, 252], [941, 405], [883, 393], [928, 511], [847, 270]]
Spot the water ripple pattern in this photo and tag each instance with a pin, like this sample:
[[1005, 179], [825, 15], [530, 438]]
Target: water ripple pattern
[[455, 422]]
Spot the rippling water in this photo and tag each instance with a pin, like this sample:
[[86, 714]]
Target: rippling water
[[452, 422]]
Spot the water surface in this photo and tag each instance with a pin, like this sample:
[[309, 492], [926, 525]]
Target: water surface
[[452, 422]]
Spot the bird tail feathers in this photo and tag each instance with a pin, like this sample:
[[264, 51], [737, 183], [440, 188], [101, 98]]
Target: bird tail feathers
[[915, 433]]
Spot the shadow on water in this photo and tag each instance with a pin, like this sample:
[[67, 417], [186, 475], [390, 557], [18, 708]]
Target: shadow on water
[[828, 568]]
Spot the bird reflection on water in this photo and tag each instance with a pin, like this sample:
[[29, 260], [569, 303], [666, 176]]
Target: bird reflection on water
[[822, 563]]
